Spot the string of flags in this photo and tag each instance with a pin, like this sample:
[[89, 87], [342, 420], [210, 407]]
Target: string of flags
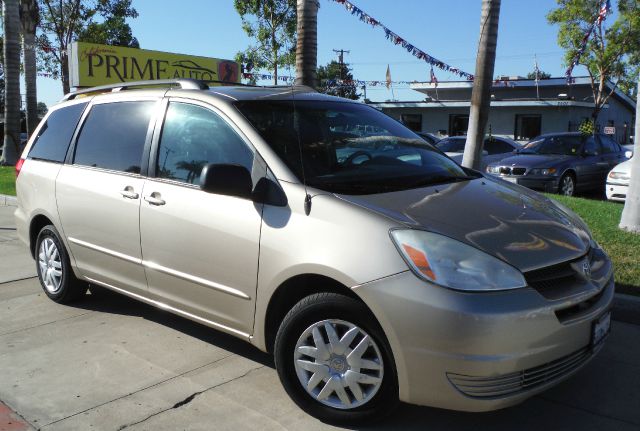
[[328, 82], [603, 11], [396, 39]]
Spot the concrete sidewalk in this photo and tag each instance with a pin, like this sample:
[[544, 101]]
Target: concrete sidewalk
[[111, 363]]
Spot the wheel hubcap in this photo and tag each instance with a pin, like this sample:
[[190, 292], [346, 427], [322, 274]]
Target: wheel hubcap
[[338, 364], [50, 265], [567, 186]]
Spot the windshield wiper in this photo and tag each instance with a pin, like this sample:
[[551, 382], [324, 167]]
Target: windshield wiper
[[441, 179]]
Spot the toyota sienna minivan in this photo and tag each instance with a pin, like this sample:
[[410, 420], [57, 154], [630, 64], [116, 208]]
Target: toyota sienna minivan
[[374, 268]]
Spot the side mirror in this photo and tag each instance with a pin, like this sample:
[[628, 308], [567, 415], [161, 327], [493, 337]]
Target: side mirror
[[226, 179], [269, 193]]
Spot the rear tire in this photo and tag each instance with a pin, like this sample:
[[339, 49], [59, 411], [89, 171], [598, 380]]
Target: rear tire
[[54, 269], [567, 185], [334, 360]]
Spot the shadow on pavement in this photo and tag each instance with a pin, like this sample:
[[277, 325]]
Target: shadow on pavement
[[106, 301]]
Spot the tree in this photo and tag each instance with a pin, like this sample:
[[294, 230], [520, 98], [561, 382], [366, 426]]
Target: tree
[[329, 77], [273, 25], [42, 109], [483, 79], [11, 52], [541, 75], [607, 53], [307, 43], [65, 21], [630, 219], [29, 18]]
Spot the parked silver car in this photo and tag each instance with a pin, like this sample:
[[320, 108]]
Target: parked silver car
[[494, 149], [374, 268]]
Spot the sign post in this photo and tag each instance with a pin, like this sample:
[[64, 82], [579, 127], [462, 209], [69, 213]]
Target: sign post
[[92, 64]]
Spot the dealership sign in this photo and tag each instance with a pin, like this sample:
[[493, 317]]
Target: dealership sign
[[92, 64]]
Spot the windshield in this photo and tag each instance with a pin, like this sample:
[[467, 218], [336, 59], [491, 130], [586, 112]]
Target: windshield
[[452, 145], [348, 147], [564, 145]]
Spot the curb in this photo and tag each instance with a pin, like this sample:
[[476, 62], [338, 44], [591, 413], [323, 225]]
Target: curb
[[8, 200], [626, 308]]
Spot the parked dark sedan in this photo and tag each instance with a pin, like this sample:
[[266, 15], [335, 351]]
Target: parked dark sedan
[[561, 163]]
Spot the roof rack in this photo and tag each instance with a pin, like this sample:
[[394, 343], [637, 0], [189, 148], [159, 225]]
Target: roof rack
[[185, 84]]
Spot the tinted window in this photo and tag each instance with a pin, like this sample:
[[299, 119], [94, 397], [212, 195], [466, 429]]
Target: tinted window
[[497, 146], [591, 147], [313, 139], [561, 144], [113, 136], [192, 137], [609, 145], [452, 145], [55, 135]]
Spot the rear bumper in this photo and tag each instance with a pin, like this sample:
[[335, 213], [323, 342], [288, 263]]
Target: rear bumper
[[445, 342]]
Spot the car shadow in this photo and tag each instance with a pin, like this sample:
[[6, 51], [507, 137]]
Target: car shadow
[[106, 301]]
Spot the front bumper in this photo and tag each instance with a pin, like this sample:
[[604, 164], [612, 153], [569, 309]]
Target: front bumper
[[445, 341], [545, 184], [617, 192]]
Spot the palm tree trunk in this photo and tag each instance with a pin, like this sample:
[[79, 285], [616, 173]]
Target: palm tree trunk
[[630, 219], [481, 94], [11, 21], [307, 43], [29, 17]]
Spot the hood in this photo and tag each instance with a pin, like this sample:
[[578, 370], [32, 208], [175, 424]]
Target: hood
[[533, 160], [521, 227]]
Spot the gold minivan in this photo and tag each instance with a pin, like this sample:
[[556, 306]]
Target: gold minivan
[[371, 265]]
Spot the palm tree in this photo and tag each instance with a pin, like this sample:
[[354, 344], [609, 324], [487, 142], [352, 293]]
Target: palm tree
[[630, 219], [307, 43], [11, 22], [481, 94], [30, 17]]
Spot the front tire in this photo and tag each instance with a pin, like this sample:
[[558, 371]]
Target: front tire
[[54, 269], [334, 360]]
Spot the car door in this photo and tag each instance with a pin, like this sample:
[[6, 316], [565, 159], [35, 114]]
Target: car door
[[200, 249], [98, 193], [611, 151], [592, 167]]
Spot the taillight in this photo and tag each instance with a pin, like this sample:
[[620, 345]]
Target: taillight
[[19, 166]]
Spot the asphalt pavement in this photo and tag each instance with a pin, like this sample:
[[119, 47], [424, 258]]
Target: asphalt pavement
[[111, 363]]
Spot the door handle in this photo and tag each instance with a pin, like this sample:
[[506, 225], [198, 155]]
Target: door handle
[[129, 193], [154, 199]]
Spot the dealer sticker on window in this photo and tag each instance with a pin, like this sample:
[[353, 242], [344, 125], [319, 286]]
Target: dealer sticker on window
[[601, 329]]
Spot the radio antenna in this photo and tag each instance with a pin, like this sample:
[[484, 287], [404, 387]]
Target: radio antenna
[[296, 127]]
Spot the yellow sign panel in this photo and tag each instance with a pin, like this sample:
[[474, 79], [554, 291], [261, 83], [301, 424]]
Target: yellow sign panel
[[92, 64]]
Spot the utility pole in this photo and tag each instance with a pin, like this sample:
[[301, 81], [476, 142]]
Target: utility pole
[[341, 53]]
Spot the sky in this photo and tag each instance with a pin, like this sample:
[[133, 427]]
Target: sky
[[445, 29]]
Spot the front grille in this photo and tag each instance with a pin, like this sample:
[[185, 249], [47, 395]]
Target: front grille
[[554, 277], [508, 170], [514, 383], [518, 171]]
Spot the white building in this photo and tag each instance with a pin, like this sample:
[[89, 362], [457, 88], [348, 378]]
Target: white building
[[520, 108]]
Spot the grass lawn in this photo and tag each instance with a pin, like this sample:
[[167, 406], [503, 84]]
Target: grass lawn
[[7, 180], [603, 217]]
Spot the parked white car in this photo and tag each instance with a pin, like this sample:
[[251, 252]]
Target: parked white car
[[495, 148], [618, 182]]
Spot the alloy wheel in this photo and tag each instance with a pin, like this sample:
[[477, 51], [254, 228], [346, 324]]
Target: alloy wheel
[[50, 263], [567, 186], [338, 364]]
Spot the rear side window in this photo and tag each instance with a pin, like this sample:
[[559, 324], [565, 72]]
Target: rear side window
[[609, 145], [54, 136], [113, 136]]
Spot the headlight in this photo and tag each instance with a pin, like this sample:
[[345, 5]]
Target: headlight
[[452, 264], [493, 169], [543, 171], [619, 176]]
